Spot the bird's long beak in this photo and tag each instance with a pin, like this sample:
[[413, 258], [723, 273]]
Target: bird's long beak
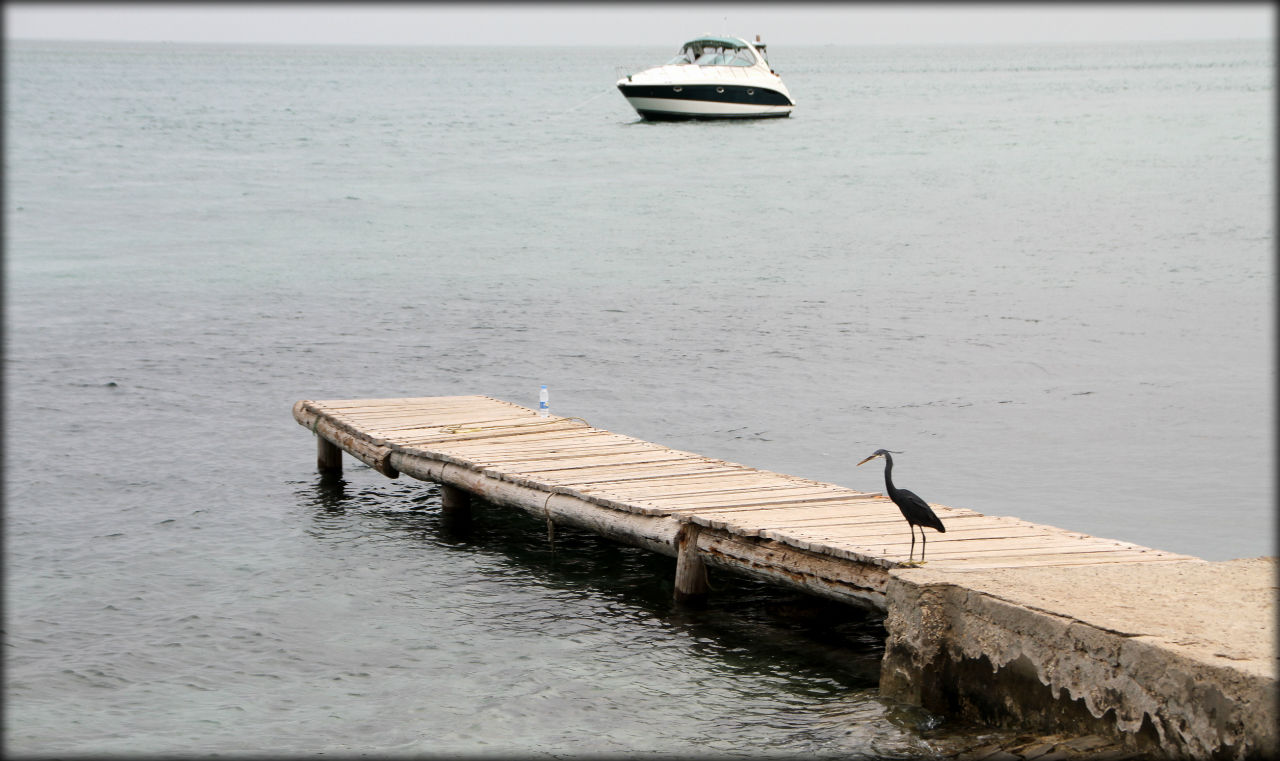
[[869, 459]]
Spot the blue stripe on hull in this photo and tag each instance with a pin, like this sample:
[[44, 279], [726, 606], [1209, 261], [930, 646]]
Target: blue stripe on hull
[[740, 94], [683, 116]]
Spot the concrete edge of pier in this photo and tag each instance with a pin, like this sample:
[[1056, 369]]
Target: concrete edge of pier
[[1176, 659]]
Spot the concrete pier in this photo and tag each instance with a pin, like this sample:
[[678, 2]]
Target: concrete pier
[[1010, 622], [1177, 659]]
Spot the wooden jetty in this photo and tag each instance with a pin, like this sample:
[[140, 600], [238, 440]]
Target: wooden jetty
[[828, 539], [980, 596]]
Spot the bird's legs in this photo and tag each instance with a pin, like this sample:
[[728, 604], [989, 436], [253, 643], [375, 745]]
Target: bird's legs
[[911, 561]]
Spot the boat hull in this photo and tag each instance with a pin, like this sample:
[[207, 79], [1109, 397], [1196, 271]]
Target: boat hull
[[667, 102]]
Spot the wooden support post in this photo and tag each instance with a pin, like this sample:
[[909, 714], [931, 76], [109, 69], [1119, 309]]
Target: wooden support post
[[454, 500], [328, 456], [691, 572], [455, 511]]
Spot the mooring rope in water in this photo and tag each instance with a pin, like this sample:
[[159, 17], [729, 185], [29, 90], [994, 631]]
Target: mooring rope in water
[[580, 105], [551, 526]]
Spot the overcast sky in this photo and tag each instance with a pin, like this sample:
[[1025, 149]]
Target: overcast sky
[[621, 23]]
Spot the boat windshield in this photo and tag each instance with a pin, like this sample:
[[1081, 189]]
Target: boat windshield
[[713, 53]]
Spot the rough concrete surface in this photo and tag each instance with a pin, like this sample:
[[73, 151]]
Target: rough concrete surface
[[1179, 657], [1221, 611]]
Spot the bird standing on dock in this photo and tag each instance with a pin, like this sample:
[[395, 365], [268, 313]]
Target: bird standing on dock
[[915, 510]]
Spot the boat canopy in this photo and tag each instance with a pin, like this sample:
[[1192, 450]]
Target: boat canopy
[[729, 42], [715, 51]]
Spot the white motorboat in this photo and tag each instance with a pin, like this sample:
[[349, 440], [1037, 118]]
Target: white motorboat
[[712, 77]]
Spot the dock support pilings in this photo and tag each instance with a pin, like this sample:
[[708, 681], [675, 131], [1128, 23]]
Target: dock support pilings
[[691, 572], [328, 456], [816, 574], [453, 499]]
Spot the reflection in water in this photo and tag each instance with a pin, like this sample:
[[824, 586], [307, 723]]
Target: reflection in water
[[331, 491], [456, 524], [746, 623], [816, 660]]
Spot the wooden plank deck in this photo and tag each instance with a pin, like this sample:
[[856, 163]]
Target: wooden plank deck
[[567, 456]]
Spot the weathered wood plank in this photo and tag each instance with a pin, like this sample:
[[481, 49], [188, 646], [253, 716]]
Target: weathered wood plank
[[799, 499], [681, 476], [613, 480], [863, 507], [490, 461], [748, 526], [797, 503], [888, 533], [707, 488], [480, 433], [642, 461], [1035, 550], [579, 441], [607, 464], [451, 416], [712, 486], [742, 489], [421, 402], [530, 435], [988, 548], [468, 430], [704, 486], [870, 521], [1042, 561]]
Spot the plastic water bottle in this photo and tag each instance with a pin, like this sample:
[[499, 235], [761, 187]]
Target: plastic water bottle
[[543, 409]]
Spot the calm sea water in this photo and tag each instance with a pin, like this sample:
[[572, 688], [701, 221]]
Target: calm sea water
[[1044, 273]]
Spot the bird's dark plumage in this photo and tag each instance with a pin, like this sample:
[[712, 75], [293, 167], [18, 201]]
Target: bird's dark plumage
[[915, 510]]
